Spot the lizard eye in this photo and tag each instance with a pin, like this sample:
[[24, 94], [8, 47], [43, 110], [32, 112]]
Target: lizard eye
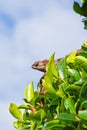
[[36, 64]]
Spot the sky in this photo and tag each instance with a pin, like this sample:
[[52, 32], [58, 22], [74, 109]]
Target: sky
[[32, 30]]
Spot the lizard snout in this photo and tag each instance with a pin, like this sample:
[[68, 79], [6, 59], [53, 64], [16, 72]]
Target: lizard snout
[[35, 65]]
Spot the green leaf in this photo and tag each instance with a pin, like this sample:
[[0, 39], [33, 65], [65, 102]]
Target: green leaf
[[73, 87], [67, 117], [52, 125], [83, 1], [23, 106], [80, 10], [50, 67], [74, 73], [84, 54], [60, 92], [85, 23], [51, 74], [54, 102], [47, 84], [26, 127], [82, 61], [77, 8], [83, 114], [84, 104], [69, 105], [62, 69], [13, 108], [71, 57], [18, 124], [26, 115], [33, 127], [39, 115], [29, 92], [83, 93], [81, 81]]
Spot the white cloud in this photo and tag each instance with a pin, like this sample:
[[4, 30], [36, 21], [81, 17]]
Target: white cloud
[[43, 35], [22, 8]]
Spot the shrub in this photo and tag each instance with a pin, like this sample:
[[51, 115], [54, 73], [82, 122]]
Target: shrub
[[61, 101]]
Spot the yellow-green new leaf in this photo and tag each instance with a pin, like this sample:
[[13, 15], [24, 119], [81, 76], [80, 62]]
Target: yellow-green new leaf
[[51, 66], [29, 92], [13, 108], [71, 57]]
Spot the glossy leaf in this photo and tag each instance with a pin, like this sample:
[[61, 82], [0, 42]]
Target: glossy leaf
[[69, 105], [84, 105], [77, 8], [39, 115], [84, 54], [50, 67], [83, 93], [48, 80], [18, 124], [73, 87], [13, 108], [82, 80], [33, 127], [26, 115], [26, 127], [81, 59], [71, 57], [54, 102], [60, 92], [29, 92], [62, 69], [83, 114], [52, 125], [67, 117], [23, 106], [83, 1], [49, 88], [74, 73], [82, 10]]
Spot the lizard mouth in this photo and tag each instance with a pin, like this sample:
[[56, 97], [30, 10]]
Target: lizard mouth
[[35, 65]]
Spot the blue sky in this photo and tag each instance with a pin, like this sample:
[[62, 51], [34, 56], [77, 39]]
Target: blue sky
[[32, 30]]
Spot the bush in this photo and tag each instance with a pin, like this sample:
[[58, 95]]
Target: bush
[[61, 101]]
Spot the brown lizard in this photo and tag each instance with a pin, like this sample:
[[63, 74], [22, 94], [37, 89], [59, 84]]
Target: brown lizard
[[41, 65]]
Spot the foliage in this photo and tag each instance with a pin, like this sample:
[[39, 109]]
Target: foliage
[[61, 101], [82, 10]]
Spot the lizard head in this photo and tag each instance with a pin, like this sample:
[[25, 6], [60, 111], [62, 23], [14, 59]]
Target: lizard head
[[40, 65]]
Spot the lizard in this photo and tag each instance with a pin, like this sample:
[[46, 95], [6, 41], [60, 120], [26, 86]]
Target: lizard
[[41, 65]]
